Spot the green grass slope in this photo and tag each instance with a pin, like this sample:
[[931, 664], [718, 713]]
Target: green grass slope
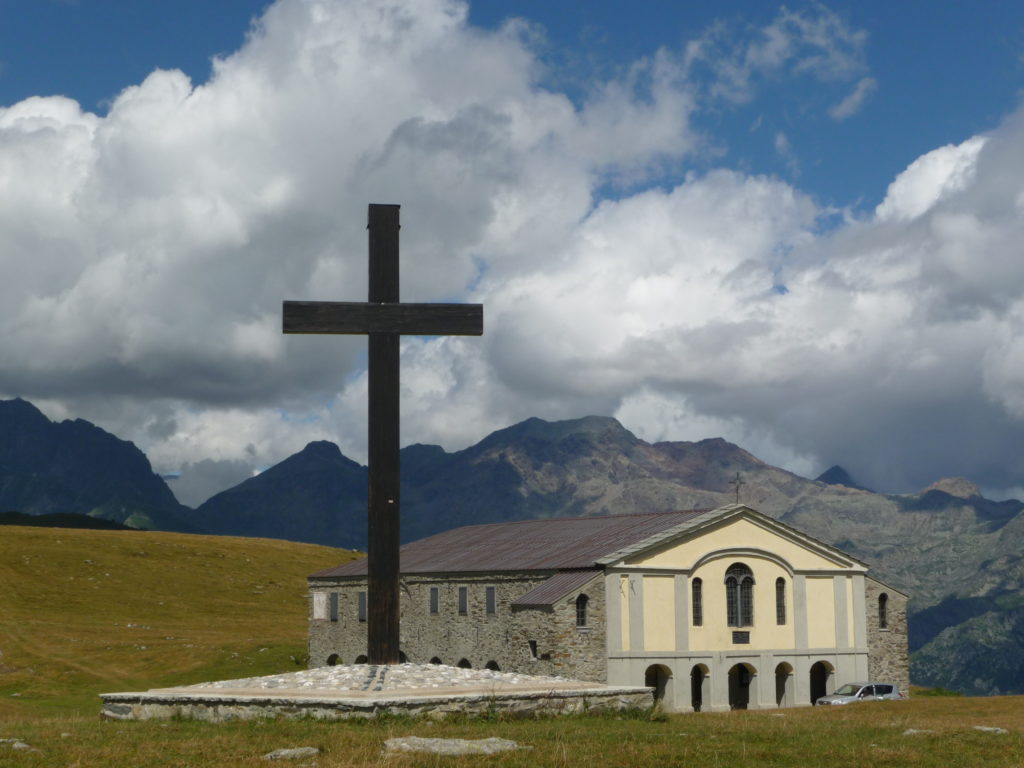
[[84, 612]]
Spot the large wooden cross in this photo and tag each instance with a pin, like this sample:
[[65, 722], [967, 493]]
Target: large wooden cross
[[384, 320]]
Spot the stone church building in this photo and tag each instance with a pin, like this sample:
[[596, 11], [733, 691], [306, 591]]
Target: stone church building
[[715, 609]]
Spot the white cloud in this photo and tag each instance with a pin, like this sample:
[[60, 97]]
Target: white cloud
[[815, 42], [851, 104], [928, 179], [151, 249]]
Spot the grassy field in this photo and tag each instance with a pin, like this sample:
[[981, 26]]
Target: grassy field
[[84, 611]]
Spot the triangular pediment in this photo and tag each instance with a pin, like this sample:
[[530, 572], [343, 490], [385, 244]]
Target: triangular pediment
[[734, 530]]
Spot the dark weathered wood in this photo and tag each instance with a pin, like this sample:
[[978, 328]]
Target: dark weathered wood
[[384, 507], [382, 224], [384, 319], [384, 504], [349, 317]]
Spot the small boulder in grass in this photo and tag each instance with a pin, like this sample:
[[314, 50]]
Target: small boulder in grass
[[294, 753], [490, 746], [990, 729]]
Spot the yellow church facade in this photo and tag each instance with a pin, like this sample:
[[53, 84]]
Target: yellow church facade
[[748, 612]]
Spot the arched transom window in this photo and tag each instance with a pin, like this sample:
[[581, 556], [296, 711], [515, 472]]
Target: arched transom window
[[739, 595], [581, 610]]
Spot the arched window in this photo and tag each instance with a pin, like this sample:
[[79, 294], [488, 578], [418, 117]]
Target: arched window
[[581, 610], [697, 599], [780, 601], [883, 611], [739, 595]]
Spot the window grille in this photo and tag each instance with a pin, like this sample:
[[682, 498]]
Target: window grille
[[362, 606], [581, 610], [780, 601], [739, 595], [463, 601], [697, 599], [883, 611], [492, 601], [435, 600]]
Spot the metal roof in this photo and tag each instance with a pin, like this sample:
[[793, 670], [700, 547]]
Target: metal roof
[[555, 588], [552, 544]]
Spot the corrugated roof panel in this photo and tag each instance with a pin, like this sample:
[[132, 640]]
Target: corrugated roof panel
[[528, 545], [554, 589]]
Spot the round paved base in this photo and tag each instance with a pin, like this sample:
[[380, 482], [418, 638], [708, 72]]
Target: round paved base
[[366, 690]]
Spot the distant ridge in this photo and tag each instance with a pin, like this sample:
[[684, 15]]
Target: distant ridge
[[62, 520]]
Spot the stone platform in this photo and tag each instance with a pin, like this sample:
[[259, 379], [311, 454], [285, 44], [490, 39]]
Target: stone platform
[[366, 690]]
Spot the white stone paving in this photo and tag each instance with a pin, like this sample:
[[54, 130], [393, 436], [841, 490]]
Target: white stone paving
[[371, 677]]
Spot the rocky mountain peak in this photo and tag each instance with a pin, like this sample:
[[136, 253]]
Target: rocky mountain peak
[[836, 475], [955, 486]]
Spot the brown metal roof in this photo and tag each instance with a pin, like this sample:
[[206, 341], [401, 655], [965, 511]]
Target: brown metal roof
[[554, 589], [553, 544]]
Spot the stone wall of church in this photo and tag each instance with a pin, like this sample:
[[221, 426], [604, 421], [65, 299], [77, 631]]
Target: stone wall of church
[[531, 641], [888, 654]]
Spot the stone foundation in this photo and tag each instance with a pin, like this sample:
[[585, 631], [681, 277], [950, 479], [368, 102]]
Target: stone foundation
[[366, 691]]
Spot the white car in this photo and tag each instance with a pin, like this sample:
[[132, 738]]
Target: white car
[[853, 692]]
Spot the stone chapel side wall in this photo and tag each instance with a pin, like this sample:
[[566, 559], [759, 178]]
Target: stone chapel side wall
[[888, 654], [504, 637]]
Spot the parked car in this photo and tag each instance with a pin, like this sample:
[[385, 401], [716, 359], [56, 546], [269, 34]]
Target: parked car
[[853, 692]]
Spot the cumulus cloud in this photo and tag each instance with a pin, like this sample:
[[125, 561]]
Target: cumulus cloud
[[150, 250]]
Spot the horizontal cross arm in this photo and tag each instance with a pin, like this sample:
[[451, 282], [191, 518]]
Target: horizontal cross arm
[[358, 318]]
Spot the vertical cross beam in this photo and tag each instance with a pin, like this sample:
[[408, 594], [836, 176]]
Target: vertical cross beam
[[384, 319], [383, 449]]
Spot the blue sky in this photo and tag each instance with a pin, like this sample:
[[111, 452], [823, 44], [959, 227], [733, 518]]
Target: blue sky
[[625, 187], [945, 70]]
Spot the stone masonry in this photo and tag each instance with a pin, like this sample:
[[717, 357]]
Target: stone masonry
[[888, 659], [535, 641]]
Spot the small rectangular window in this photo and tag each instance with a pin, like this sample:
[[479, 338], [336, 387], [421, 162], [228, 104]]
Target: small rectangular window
[[435, 600], [362, 606], [463, 601], [334, 606], [492, 601], [533, 648]]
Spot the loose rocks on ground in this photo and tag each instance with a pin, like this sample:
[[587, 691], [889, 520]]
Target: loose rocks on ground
[[294, 753], [451, 746]]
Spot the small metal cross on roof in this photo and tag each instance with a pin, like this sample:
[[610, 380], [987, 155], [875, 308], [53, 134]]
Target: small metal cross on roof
[[737, 482], [383, 318]]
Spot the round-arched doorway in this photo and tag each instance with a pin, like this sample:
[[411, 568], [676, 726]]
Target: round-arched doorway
[[659, 677]]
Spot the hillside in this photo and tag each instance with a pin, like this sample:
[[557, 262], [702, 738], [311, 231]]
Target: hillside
[[85, 611]]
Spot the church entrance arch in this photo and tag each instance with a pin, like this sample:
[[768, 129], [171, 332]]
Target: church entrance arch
[[742, 686], [821, 678], [659, 677], [700, 687], [784, 685]]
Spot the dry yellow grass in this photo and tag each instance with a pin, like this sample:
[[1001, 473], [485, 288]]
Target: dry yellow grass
[[83, 612]]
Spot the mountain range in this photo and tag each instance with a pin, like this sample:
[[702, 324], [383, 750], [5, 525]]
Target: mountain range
[[956, 553]]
